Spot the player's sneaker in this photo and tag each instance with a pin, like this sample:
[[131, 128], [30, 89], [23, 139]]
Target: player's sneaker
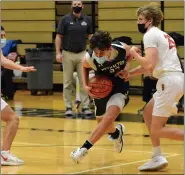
[[118, 143], [9, 159], [69, 112], [87, 111], [79, 154], [157, 163]]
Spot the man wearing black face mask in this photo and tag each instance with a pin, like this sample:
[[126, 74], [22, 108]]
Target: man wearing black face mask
[[72, 32]]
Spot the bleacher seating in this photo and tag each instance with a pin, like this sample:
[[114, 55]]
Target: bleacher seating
[[36, 22]]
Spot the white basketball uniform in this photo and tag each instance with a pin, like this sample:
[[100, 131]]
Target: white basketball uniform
[[170, 85], [3, 104]]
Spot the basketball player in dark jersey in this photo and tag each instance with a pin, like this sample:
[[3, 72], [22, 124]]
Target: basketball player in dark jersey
[[106, 58]]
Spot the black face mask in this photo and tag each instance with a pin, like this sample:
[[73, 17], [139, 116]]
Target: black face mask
[[141, 28], [77, 9]]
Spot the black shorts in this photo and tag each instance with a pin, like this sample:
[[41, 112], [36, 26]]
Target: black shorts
[[119, 86]]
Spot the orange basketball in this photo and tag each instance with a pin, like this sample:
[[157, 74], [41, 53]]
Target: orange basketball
[[101, 86]]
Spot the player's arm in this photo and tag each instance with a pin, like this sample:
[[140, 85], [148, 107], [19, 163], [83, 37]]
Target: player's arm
[[85, 70], [129, 57], [150, 59], [6, 63], [137, 71]]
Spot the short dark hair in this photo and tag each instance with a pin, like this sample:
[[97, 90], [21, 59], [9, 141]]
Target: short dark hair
[[2, 28], [101, 40]]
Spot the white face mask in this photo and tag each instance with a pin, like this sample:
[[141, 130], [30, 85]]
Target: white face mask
[[100, 60], [3, 42]]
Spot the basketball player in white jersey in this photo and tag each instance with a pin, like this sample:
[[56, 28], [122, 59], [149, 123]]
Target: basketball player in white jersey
[[161, 59], [8, 115]]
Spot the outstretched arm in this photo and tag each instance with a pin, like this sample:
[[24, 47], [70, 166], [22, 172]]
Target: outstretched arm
[[6, 63], [137, 71]]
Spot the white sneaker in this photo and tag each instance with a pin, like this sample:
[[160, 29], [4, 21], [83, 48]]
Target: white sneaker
[[118, 143], [9, 159], [79, 154], [157, 163]]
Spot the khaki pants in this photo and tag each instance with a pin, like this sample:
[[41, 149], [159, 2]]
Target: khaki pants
[[71, 63]]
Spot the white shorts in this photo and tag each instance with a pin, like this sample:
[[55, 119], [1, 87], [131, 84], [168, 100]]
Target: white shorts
[[3, 104], [117, 100], [170, 88]]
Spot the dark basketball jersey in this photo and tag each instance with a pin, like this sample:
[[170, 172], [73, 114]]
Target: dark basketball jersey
[[110, 68]]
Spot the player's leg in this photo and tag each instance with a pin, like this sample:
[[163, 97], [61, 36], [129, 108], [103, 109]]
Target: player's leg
[[147, 114], [158, 130], [115, 133], [169, 91], [170, 97], [10, 130], [99, 131], [109, 117], [114, 106], [111, 129]]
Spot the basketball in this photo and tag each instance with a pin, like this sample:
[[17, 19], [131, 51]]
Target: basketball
[[101, 86]]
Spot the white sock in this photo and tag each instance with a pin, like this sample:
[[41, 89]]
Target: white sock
[[3, 151], [156, 151]]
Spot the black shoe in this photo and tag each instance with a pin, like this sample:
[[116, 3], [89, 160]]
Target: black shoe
[[69, 112], [87, 112]]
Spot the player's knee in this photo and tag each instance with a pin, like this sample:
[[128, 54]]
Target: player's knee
[[110, 117], [147, 115], [14, 119], [155, 130]]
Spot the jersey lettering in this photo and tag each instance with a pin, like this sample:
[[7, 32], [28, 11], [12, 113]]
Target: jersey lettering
[[170, 41]]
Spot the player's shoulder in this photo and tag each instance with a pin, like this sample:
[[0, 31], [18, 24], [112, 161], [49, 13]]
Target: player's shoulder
[[88, 55], [153, 32], [89, 52], [89, 59], [118, 44]]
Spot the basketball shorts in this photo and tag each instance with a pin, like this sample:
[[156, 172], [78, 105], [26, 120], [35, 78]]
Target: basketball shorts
[[3, 104], [170, 89], [119, 99]]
